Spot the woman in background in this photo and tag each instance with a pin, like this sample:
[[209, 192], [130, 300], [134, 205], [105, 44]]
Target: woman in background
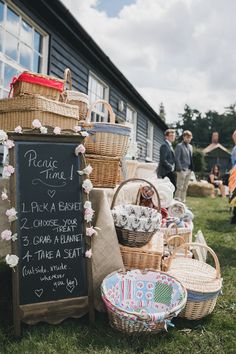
[[215, 179]]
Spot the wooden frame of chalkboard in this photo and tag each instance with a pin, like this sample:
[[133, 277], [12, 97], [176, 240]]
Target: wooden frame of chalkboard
[[53, 279]]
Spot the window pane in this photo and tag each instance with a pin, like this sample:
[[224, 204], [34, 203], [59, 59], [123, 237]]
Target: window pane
[[1, 39], [25, 56], [1, 12], [37, 63], [12, 23], [11, 46], [5, 94], [9, 73], [38, 42], [26, 33]]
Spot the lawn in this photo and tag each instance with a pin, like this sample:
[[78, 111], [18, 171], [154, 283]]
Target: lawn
[[214, 334]]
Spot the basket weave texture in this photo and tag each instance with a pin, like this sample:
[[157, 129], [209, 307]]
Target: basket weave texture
[[142, 301], [202, 281], [173, 230], [106, 171], [29, 88], [23, 110], [134, 238], [75, 97], [107, 139]]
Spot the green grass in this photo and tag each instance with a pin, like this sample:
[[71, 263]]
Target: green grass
[[214, 334]]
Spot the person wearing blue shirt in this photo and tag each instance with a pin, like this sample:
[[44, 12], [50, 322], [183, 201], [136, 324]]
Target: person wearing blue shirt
[[233, 153]]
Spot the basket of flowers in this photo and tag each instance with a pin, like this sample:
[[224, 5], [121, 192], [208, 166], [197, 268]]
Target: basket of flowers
[[142, 301], [135, 224]]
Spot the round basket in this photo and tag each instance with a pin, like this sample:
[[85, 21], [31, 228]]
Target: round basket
[[202, 281], [107, 139], [133, 237], [142, 301]]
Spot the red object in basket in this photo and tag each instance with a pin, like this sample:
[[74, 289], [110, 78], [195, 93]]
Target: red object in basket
[[38, 80]]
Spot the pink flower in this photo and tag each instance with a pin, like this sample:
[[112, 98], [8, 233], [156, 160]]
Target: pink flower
[[4, 195], [88, 253], [11, 213], [8, 171], [90, 231], [6, 235], [88, 214], [57, 130], [77, 128], [36, 123], [9, 143], [18, 129], [80, 149]]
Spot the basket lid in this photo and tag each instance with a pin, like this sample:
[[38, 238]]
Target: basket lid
[[195, 275]]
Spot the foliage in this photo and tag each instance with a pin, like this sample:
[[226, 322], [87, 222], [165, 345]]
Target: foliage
[[198, 161], [214, 334], [203, 125]]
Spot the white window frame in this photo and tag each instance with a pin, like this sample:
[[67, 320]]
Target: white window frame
[[150, 135], [11, 62], [132, 152], [99, 113]]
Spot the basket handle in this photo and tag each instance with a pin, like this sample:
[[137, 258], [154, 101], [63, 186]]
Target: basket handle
[[68, 78], [186, 245], [107, 105], [173, 225], [133, 180]]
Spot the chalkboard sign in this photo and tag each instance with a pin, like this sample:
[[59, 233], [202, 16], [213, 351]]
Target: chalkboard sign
[[50, 226]]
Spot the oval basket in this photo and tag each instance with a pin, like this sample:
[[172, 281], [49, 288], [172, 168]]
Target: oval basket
[[142, 301], [129, 237], [107, 139], [75, 97], [202, 281]]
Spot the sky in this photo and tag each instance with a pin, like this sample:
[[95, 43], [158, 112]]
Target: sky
[[173, 51]]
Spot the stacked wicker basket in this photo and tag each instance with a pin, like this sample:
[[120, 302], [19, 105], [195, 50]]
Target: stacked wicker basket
[[106, 145], [36, 96]]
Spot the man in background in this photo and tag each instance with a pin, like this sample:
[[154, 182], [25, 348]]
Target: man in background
[[166, 167], [184, 165]]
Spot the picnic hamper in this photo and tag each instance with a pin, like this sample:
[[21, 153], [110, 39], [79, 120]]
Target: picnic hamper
[[22, 110], [142, 301], [77, 98], [169, 246], [106, 139], [135, 225], [29, 83], [145, 257], [106, 171], [173, 230], [202, 281]]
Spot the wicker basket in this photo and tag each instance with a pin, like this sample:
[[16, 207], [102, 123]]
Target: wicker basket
[[75, 97], [146, 257], [129, 237], [142, 301], [29, 83], [169, 246], [174, 230], [106, 139], [23, 110], [202, 281], [106, 171]]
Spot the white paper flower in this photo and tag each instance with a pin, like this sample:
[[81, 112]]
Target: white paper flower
[[36, 123], [77, 128], [12, 260], [3, 136], [86, 171], [90, 231], [11, 213], [43, 130], [80, 149], [14, 237], [87, 204], [18, 129], [6, 235], [88, 214], [57, 130], [9, 143], [88, 253], [87, 185], [8, 171], [84, 134], [4, 195]]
